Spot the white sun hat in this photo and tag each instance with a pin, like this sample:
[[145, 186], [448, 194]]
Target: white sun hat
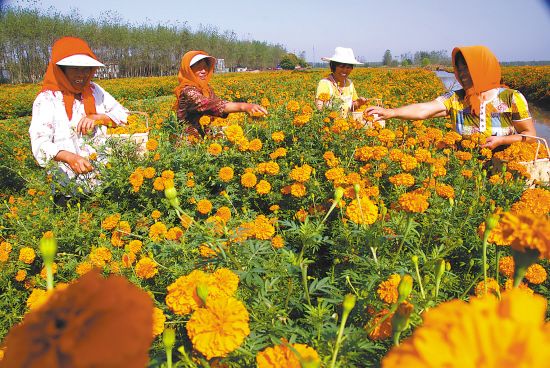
[[343, 55], [79, 60], [199, 57]]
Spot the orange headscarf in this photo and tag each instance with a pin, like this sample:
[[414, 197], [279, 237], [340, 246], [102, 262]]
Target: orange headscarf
[[484, 70], [56, 80], [186, 77]]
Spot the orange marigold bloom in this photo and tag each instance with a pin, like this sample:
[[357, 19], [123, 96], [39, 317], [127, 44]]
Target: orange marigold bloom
[[149, 173], [263, 187], [214, 149], [152, 144], [278, 136], [279, 152], [156, 214], [445, 191], [234, 132], [224, 213], [387, 290], [527, 231], [330, 159], [293, 106], [134, 246], [536, 274], [459, 334], [84, 267], [414, 202], [110, 222], [219, 328], [263, 229], [255, 145], [99, 256], [301, 174], [27, 255], [301, 215], [506, 266], [534, 200], [158, 321], [277, 242], [174, 233], [404, 179], [467, 173], [362, 213], [5, 250], [21, 275], [298, 190], [146, 268], [225, 174], [157, 231], [283, 356], [248, 180], [204, 206], [380, 328], [167, 174], [492, 287], [408, 162]]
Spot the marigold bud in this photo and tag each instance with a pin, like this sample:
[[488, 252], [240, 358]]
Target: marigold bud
[[169, 338], [349, 302], [202, 292], [404, 288], [170, 192], [48, 247], [338, 194]]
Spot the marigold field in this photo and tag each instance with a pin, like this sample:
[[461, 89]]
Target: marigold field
[[297, 239]]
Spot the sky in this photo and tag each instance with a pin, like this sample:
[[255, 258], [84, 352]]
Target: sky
[[515, 30]]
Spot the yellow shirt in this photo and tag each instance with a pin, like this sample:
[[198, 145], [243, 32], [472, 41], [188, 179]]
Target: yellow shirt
[[329, 92]]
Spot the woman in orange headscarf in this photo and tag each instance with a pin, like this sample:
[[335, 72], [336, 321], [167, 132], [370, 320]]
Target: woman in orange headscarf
[[195, 97], [483, 105], [70, 114]]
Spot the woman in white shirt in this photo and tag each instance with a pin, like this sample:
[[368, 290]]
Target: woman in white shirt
[[71, 114]]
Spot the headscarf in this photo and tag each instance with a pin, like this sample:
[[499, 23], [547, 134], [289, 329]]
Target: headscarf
[[484, 70], [56, 80], [186, 77]]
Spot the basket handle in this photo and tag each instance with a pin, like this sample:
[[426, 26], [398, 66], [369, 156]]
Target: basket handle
[[539, 140]]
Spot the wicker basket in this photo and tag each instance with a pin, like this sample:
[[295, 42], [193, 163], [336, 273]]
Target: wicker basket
[[140, 139], [538, 168]]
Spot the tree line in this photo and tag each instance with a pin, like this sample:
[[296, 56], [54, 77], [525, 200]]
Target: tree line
[[26, 37]]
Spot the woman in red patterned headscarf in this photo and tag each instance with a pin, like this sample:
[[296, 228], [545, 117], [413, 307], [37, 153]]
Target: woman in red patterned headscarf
[[195, 98], [483, 105], [71, 112]]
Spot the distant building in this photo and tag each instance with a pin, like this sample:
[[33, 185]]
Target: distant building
[[220, 66]]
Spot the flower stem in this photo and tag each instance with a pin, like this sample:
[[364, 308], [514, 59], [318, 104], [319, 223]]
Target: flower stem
[[407, 229]]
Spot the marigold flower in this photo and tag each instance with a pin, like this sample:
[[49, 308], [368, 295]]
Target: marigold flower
[[413, 202], [536, 274], [234, 132], [134, 246], [262, 227], [225, 174], [110, 222], [5, 250], [255, 145], [527, 231], [506, 266], [298, 190], [279, 152], [149, 173], [27, 255], [380, 326], [99, 256], [174, 233], [408, 162], [362, 213], [84, 267], [214, 149], [158, 321], [21, 275], [534, 200], [157, 231], [278, 136], [460, 334], [204, 206], [282, 356], [152, 144], [301, 174], [277, 242], [445, 191], [224, 213], [146, 268], [248, 180], [492, 287], [263, 187], [403, 179], [387, 290]]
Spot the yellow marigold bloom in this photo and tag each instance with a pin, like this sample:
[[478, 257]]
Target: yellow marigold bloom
[[445, 191], [214, 149], [226, 282], [335, 174], [274, 208], [277, 242], [134, 246], [279, 152], [149, 173], [263, 229], [536, 274], [21, 275], [37, 298], [278, 136], [452, 137], [282, 356], [463, 156], [128, 259], [27, 255], [146, 268], [152, 144], [293, 106], [83, 268], [509, 285], [363, 213], [255, 145], [506, 266], [157, 231], [248, 180], [403, 179], [395, 155], [408, 162], [467, 173], [324, 96], [330, 159], [158, 184], [413, 202], [110, 222], [219, 328], [174, 233], [301, 215], [226, 174], [158, 321], [5, 250], [156, 214], [381, 329], [492, 287], [224, 213], [186, 220], [99, 256], [459, 334], [422, 155], [386, 136], [301, 173], [298, 190], [167, 174], [301, 120], [204, 206], [534, 200], [204, 120], [495, 236], [527, 231], [387, 290], [234, 132], [263, 187], [270, 168]]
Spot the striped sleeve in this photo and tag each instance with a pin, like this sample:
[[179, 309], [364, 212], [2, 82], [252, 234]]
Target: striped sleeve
[[520, 109], [447, 99]]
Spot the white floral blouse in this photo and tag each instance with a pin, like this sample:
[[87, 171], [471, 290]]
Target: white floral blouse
[[51, 131]]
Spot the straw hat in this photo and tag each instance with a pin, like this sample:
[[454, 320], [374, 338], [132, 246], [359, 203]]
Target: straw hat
[[79, 60], [343, 55], [199, 57]]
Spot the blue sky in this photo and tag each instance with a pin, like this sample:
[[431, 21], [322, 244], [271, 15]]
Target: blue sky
[[514, 29]]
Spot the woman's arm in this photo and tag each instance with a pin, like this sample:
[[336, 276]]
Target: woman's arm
[[419, 111], [244, 107], [526, 127], [77, 163]]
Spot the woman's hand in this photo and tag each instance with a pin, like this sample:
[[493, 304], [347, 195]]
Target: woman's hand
[[77, 163], [87, 124], [493, 142], [254, 109], [380, 113]]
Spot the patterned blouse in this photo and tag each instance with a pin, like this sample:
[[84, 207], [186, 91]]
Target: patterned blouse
[[192, 105], [496, 116], [51, 131]]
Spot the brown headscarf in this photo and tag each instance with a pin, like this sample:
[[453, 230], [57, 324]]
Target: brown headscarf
[[56, 80], [484, 70], [186, 77]]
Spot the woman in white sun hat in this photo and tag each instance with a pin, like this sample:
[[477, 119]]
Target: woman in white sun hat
[[71, 114], [337, 88], [195, 97]]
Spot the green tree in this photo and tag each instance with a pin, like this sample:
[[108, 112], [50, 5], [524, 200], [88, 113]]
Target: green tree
[[386, 60]]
